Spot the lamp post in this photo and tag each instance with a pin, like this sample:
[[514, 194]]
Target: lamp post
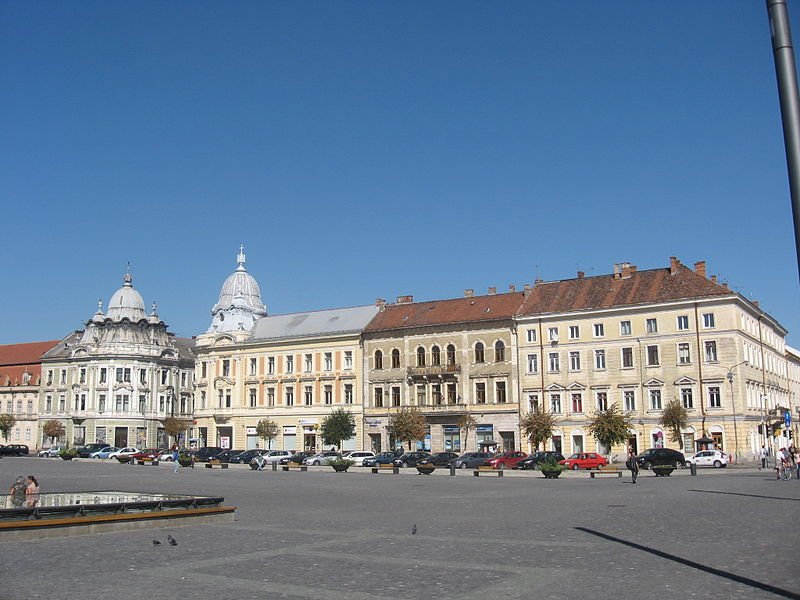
[[733, 408]]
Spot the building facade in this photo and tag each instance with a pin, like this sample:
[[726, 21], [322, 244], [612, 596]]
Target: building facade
[[118, 380]]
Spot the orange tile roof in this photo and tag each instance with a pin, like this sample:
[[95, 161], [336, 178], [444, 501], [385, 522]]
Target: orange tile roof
[[15, 359]]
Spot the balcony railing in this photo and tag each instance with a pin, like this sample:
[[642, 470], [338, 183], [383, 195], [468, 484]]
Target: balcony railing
[[433, 370], [439, 409]]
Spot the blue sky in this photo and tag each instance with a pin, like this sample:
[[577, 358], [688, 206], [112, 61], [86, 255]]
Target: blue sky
[[376, 149]]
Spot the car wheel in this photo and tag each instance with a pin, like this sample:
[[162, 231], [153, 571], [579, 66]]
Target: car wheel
[[687, 465], [717, 464], [463, 465], [404, 465], [647, 465], [501, 466], [316, 463], [574, 467]]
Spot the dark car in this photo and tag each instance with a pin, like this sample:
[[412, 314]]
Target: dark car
[[384, 458], [440, 459], [89, 449], [537, 458], [207, 453], [14, 450], [661, 456], [470, 460], [410, 459], [297, 457], [227, 455], [246, 456]]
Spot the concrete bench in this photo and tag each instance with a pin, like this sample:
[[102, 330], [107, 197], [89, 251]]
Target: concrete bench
[[147, 461], [215, 463], [487, 470], [613, 471], [386, 469], [290, 466]]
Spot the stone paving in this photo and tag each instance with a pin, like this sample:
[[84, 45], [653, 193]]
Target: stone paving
[[728, 534]]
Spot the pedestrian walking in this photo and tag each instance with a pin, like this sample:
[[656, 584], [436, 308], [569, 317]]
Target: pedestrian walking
[[763, 454], [17, 492], [176, 458], [31, 491], [632, 464]]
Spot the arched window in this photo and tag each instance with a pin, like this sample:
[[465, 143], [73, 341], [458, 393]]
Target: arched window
[[395, 358], [436, 356], [479, 355], [378, 359], [420, 356], [499, 351], [451, 354]]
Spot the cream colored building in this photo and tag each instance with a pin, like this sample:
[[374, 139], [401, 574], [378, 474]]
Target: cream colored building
[[642, 338], [293, 369], [447, 358]]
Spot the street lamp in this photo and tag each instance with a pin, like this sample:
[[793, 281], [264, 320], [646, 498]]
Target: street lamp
[[733, 407]]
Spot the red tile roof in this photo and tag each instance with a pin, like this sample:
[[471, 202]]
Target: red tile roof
[[606, 291], [443, 312], [15, 359]]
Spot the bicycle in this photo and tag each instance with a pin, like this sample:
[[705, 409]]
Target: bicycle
[[785, 472]]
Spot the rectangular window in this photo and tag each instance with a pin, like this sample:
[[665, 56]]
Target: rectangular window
[[531, 335], [142, 376], [184, 376], [118, 375], [329, 394], [396, 396], [126, 403], [271, 365], [500, 391], [577, 403], [48, 403], [575, 361], [253, 362], [62, 403], [118, 402], [164, 376], [687, 399], [684, 357], [308, 397], [533, 363], [600, 359], [101, 403], [63, 377], [436, 392], [533, 402], [421, 395], [652, 326], [602, 401], [708, 321], [82, 376], [227, 398], [378, 397], [652, 356], [711, 351], [307, 363], [552, 334], [50, 376], [599, 330], [627, 358], [480, 393], [202, 399], [348, 360], [714, 398], [655, 399], [203, 370], [252, 397], [630, 400], [348, 393], [328, 362], [103, 375], [554, 362], [289, 396], [574, 332], [226, 368], [290, 363], [625, 328], [683, 322], [451, 393], [142, 403], [220, 399], [555, 403], [270, 396]]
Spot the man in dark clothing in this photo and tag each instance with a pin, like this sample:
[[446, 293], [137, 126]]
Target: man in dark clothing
[[632, 465]]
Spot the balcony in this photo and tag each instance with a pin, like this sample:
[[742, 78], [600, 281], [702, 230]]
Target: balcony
[[442, 409], [433, 371]]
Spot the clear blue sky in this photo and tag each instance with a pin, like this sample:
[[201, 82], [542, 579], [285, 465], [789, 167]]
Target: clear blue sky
[[375, 149]]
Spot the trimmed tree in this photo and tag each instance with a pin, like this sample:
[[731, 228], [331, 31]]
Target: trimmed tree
[[267, 430], [338, 426], [467, 423], [175, 427], [674, 418], [408, 425], [7, 423], [610, 427], [537, 426], [54, 430]]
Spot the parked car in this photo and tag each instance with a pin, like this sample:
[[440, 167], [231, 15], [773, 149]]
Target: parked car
[[584, 460], [14, 450], [440, 459], [146, 454], [470, 460], [275, 456], [384, 458], [104, 452], [410, 459], [708, 458], [88, 449], [244, 458], [297, 457], [358, 456], [206, 453], [507, 460], [660, 456], [536, 458], [227, 455], [126, 451], [51, 452], [320, 458]]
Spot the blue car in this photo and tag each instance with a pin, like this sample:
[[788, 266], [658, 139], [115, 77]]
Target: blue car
[[104, 452]]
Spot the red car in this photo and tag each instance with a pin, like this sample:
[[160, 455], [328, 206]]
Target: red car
[[584, 460], [507, 460], [149, 454]]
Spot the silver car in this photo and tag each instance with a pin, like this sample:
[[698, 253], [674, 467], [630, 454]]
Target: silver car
[[321, 458], [51, 452]]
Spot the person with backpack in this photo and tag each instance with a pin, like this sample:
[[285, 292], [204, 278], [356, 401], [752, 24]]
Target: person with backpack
[[17, 492]]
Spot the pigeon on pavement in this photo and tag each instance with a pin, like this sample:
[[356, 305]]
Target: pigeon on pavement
[[172, 541]]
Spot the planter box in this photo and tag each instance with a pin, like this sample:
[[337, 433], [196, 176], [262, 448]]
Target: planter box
[[426, 469], [662, 471], [551, 473], [340, 468]]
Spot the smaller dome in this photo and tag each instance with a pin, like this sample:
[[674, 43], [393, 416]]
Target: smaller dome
[[126, 303]]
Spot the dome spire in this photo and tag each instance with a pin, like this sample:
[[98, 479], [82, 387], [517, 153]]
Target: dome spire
[[128, 279], [240, 259]]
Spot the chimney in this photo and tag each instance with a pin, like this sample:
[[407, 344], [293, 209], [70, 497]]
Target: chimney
[[538, 280], [581, 274], [674, 263], [626, 270], [617, 274], [380, 302], [700, 268], [492, 291], [725, 285], [512, 288], [469, 293], [405, 299], [713, 279], [756, 303]]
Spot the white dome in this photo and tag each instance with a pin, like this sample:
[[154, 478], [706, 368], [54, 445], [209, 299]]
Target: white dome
[[126, 303], [239, 303]]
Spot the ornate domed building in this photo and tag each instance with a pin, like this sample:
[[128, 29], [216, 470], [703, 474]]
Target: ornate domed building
[[119, 379], [239, 304]]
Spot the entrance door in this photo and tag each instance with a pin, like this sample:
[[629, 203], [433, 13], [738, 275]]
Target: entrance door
[[557, 444], [632, 443], [309, 442], [508, 440], [375, 443], [120, 437], [717, 437], [225, 437]]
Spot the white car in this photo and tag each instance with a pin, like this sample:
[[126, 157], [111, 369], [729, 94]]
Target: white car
[[276, 455], [51, 452], [708, 458], [358, 456], [126, 451]]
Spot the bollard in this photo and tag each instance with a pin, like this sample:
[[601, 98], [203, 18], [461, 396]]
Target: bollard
[[452, 470], [693, 469], [275, 465]]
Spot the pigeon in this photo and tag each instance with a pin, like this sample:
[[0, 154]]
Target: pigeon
[[172, 541], [156, 543], [414, 529]]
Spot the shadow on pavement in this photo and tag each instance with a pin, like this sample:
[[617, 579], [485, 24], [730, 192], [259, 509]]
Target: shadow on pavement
[[695, 565], [748, 495]]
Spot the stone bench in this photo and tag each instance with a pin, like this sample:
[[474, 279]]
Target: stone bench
[[215, 463], [290, 466], [613, 471], [386, 468], [147, 461], [487, 470]]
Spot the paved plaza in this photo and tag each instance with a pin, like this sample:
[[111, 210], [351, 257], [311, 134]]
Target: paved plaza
[[723, 534]]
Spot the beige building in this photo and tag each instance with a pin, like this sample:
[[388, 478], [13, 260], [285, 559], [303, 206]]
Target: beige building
[[292, 369], [447, 358], [642, 338]]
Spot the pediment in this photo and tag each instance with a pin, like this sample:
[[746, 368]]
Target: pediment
[[685, 381], [653, 382], [554, 387]]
